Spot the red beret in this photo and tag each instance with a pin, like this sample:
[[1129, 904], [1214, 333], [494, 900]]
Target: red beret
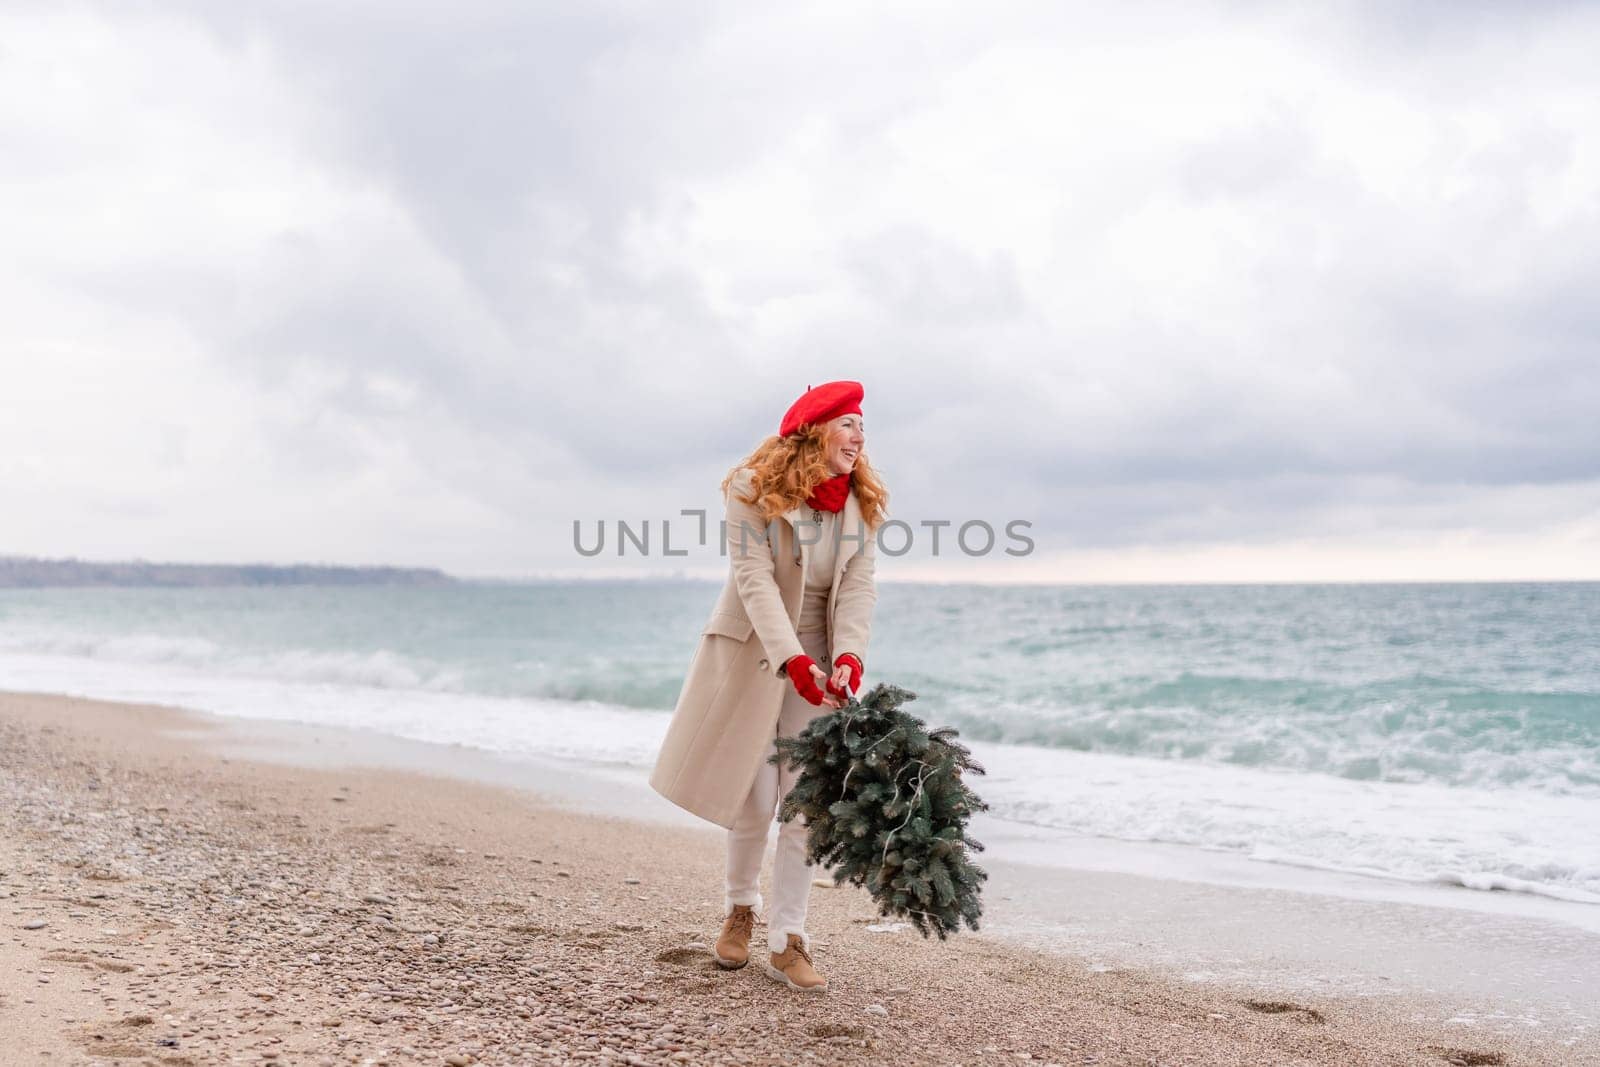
[[827, 401]]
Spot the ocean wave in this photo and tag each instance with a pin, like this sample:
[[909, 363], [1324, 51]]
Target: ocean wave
[[1491, 882], [379, 668], [1559, 884], [1476, 838], [1284, 726], [1420, 730], [1372, 738]]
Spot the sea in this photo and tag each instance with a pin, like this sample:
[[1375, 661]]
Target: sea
[[1429, 733]]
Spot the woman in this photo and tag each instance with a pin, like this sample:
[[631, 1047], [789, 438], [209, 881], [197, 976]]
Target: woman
[[786, 642]]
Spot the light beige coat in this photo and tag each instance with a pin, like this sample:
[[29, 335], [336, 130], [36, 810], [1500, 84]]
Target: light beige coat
[[727, 712]]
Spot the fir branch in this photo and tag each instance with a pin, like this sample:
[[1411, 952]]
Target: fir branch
[[915, 862]]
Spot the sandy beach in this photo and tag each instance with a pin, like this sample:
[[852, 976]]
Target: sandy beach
[[166, 901]]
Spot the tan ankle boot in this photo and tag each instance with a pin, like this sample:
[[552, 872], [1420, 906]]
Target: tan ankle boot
[[793, 968], [733, 947]]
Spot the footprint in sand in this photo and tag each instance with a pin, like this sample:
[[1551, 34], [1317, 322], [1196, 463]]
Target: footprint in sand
[[1283, 1007], [1466, 1057], [115, 1040], [115, 966]]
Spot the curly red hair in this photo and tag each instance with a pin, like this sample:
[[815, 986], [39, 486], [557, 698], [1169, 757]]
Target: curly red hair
[[788, 468]]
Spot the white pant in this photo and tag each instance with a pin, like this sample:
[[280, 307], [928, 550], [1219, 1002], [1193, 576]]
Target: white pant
[[747, 840]]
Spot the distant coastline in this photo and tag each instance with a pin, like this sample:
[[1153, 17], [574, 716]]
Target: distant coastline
[[24, 572]]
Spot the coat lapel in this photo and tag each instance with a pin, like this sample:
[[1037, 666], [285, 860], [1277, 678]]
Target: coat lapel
[[796, 516], [849, 525]]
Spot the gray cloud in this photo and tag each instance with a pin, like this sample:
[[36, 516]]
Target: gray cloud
[[1262, 274]]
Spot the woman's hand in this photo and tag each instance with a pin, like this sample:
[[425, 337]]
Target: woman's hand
[[805, 674], [846, 672]]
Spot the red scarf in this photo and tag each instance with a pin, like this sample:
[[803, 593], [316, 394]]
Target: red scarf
[[830, 495]]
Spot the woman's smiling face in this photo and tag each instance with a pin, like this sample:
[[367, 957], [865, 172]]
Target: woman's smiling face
[[845, 438]]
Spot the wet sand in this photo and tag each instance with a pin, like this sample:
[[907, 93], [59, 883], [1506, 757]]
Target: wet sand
[[164, 899]]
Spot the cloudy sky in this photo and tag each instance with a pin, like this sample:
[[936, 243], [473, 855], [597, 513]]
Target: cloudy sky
[[1202, 292]]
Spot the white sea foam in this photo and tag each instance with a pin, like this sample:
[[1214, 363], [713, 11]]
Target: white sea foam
[[584, 731], [1492, 839]]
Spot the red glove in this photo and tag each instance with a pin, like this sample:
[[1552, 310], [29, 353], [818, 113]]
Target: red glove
[[847, 660], [799, 670]]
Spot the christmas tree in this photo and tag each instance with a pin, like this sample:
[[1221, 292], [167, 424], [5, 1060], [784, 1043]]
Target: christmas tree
[[886, 808]]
